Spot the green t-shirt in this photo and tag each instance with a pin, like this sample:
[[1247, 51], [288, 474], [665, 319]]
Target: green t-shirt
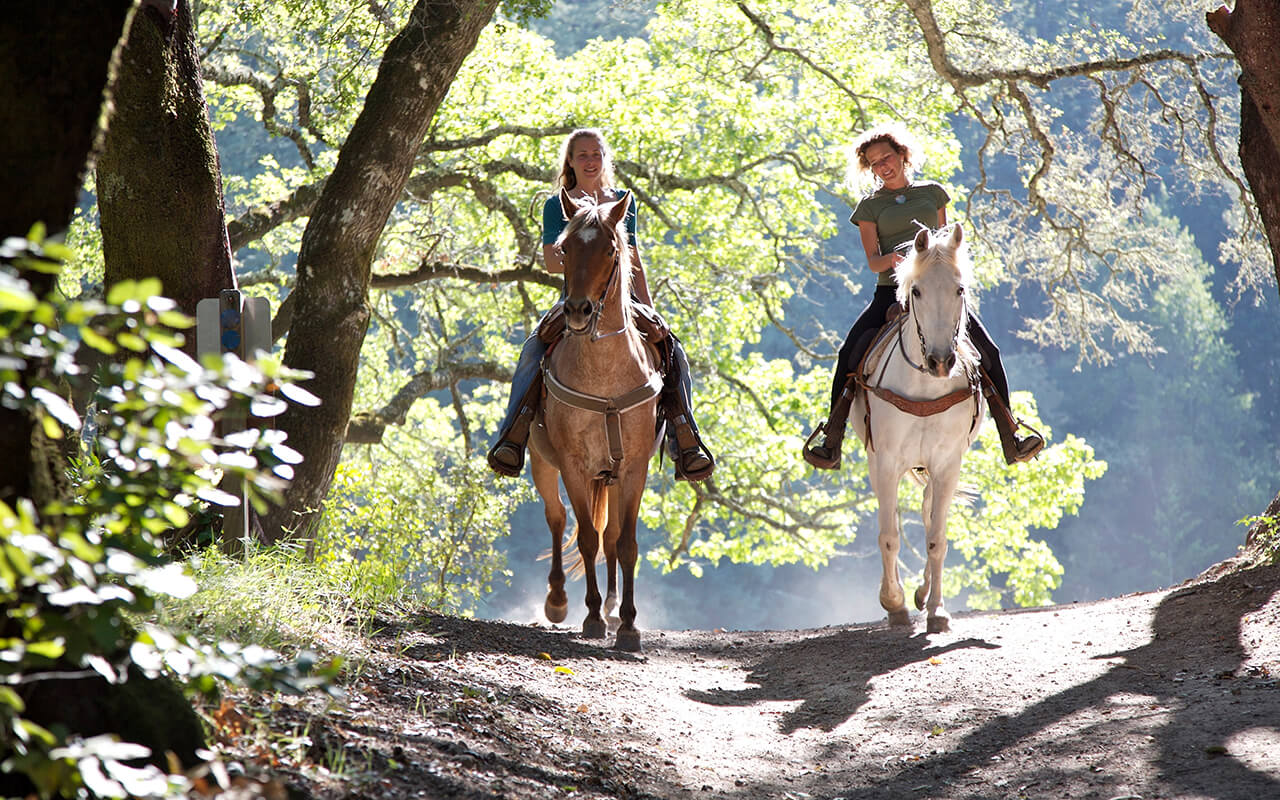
[[898, 215]]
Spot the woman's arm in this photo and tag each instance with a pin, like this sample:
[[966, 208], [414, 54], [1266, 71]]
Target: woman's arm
[[554, 260], [879, 262], [639, 285]]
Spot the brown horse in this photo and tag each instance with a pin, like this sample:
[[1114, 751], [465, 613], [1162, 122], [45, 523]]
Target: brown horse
[[597, 428]]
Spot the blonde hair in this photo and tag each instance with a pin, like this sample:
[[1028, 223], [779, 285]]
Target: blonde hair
[[893, 134], [566, 176]]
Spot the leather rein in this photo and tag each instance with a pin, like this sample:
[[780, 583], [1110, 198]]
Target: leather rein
[[611, 407]]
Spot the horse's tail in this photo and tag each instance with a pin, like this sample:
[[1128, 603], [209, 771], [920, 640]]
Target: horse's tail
[[965, 494], [573, 565]]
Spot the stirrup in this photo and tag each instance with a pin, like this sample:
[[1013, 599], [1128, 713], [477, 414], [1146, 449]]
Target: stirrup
[[699, 474], [1037, 438], [680, 454], [816, 459], [1017, 455], [502, 467]]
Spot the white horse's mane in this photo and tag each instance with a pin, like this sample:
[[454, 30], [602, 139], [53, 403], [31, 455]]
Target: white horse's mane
[[940, 249]]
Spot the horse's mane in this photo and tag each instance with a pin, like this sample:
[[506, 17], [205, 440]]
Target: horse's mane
[[591, 216], [940, 251]]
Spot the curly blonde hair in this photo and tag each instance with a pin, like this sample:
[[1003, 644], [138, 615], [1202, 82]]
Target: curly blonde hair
[[893, 134]]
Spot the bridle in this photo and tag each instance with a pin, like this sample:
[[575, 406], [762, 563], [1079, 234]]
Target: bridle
[[920, 408], [955, 338], [612, 408], [597, 307]]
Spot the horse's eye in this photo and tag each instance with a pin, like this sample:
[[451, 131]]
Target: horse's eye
[[915, 291], [960, 290]]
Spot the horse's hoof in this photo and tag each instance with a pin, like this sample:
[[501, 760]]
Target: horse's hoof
[[594, 628], [555, 613], [921, 595], [628, 641], [938, 624], [899, 618]]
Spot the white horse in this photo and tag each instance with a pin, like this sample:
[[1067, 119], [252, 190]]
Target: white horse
[[920, 408]]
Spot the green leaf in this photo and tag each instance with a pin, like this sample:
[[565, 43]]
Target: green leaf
[[51, 427], [132, 341], [98, 342], [12, 699]]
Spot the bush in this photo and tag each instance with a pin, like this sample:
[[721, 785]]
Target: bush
[[79, 570]]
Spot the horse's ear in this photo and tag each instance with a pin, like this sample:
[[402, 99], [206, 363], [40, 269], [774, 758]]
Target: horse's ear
[[957, 235], [567, 204], [619, 210], [922, 240]]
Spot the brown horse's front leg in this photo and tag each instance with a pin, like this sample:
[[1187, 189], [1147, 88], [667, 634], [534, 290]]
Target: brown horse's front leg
[[611, 533], [547, 480], [628, 636], [590, 523]]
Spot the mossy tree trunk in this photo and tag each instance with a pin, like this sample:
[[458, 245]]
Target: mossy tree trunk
[[158, 179], [341, 238], [54, 72]]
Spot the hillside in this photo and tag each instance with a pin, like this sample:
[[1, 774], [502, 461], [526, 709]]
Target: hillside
[[1164, 694]]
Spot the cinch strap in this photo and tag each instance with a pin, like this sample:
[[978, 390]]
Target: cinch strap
[[611, 407]]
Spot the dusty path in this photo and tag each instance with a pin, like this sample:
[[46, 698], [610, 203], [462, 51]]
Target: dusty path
[[1170, 694]]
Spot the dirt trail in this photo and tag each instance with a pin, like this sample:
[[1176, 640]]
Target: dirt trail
[[1171, 694]]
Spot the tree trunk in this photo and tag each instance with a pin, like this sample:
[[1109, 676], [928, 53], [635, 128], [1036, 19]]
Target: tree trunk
[[159, 181], [54, 68], [1252, 31], [336, 255], [53, 72], [54, 63]]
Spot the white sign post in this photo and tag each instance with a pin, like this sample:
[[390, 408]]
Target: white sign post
[[233, 323]]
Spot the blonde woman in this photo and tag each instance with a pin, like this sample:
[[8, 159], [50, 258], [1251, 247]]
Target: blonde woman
[[888, 219], [586, 171]]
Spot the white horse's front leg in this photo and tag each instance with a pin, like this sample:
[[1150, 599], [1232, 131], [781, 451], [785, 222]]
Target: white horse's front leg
[[938, 497], [885, 485]]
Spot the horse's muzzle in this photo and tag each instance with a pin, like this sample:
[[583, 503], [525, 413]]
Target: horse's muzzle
[[940, 366], [577, 314]]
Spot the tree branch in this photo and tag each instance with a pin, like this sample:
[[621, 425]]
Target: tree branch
[[268, 89], [367, 427]]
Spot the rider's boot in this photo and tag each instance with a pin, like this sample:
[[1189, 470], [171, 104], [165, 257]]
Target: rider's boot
[[693, 461], [1016, 447], [826, 455], [506, 457]]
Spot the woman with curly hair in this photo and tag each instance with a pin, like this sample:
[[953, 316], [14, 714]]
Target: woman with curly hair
[[888, 219]]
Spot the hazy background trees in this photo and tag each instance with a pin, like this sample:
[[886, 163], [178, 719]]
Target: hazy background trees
[[1109, 230]]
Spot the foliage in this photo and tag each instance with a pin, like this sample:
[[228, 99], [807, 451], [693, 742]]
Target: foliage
[[1002, 565], [1178, 428], [392, 532], [735, 149], [1265, 533], [74, 576], [270, 597]]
